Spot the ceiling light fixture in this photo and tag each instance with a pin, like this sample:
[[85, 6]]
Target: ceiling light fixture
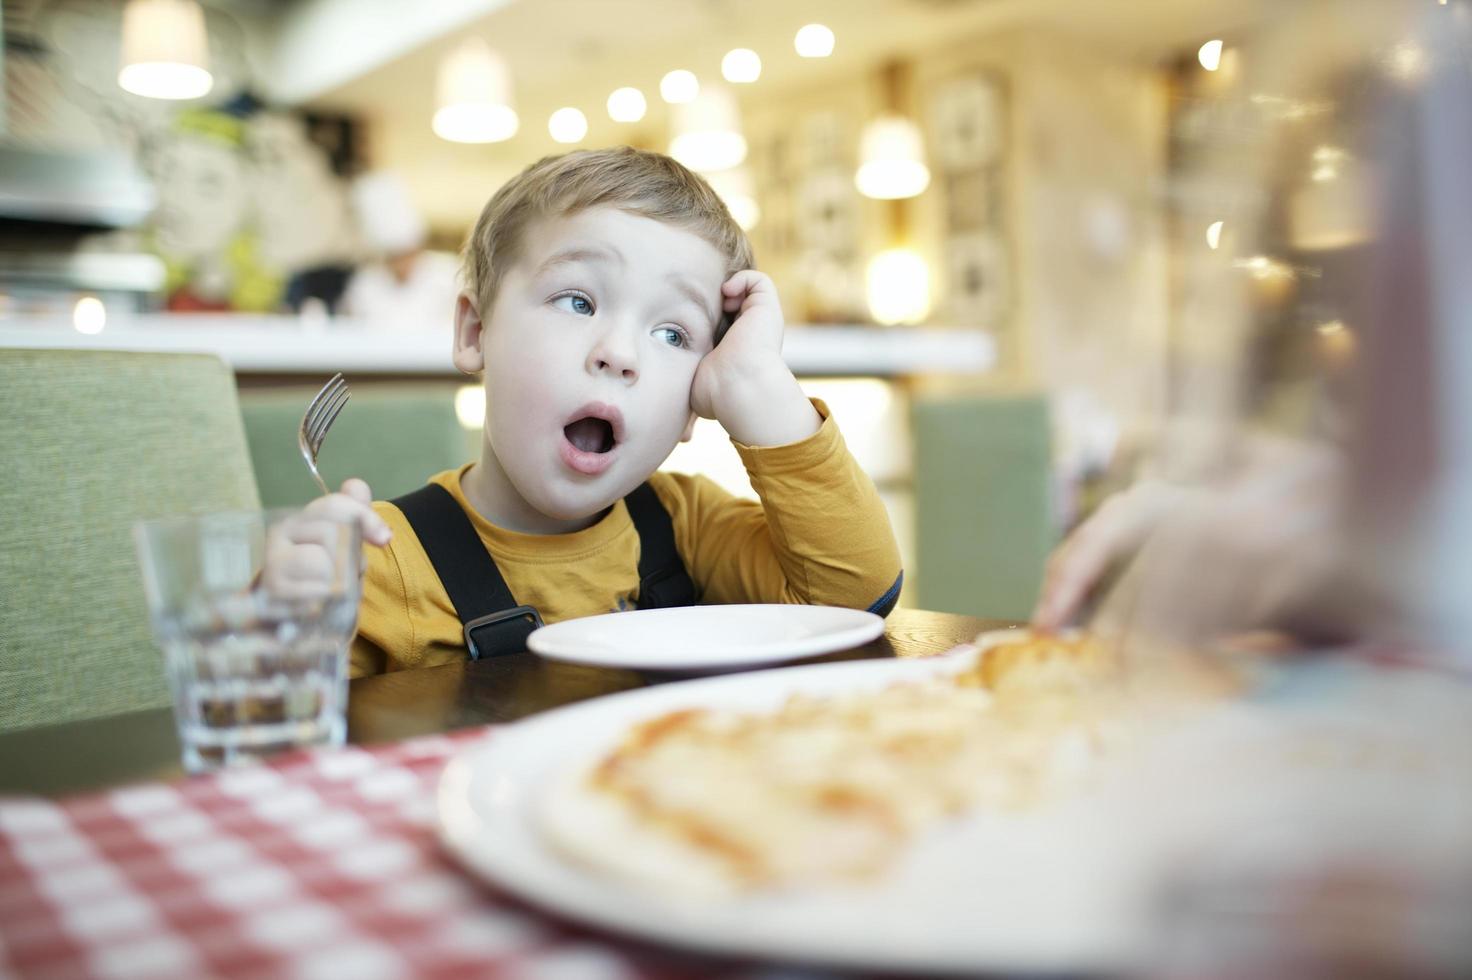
[[741, 66], [707, 131], [567, 125], [165, 51], [891, 149], [893, 160], [898, 287], [813, 41], [627, 105], [679, 86], [473, 93], [1210, 54]]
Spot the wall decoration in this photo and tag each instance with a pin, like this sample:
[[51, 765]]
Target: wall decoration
[[816, 228], [825, 140], [772, 161], [977, 290], [828, 212], [827, 230], [246, 202], [301, 212], [971, 199], [75, 44], [967, 123], [249, 197], [835, 288]]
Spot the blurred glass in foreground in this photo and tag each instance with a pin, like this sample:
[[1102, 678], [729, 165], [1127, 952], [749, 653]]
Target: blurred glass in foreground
[[1319, 458], [256, 649], [1320, 430]]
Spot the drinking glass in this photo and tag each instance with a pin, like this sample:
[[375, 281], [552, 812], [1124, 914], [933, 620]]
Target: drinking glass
[[254, 611]]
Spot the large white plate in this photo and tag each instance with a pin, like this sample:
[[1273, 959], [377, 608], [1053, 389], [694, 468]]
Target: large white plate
[[701, 639], [1062, 889], [996, 892]]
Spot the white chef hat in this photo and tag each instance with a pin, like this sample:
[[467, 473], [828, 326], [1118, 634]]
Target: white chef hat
[[386, 216]]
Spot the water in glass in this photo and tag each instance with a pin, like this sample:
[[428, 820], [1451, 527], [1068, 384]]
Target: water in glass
[[256, 663]]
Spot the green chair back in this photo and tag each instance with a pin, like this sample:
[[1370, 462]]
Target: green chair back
[[94, 441], [395, 436], [983, 521]]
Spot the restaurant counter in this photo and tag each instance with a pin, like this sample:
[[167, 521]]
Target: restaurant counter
[[285, 345]]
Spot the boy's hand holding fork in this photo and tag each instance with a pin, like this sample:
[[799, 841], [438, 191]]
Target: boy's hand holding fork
[[297, 564]]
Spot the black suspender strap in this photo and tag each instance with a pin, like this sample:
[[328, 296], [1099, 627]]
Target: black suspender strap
[[663, 581], [494, 623]]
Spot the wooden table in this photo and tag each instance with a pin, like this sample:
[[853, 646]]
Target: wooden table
[[142, 745]]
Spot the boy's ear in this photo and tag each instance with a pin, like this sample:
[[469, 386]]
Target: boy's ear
[[468, 357], [689, 428]]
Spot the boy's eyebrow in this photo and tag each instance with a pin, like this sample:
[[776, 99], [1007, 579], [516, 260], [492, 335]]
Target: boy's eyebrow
[[581, 253], [694, 295]]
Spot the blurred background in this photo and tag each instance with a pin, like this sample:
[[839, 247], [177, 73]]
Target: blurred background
[[988, 219]]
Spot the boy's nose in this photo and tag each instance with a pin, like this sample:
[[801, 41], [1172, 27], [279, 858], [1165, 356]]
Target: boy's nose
[[614, 354]]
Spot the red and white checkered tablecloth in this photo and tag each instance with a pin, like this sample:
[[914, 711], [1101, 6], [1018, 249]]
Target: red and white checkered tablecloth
[[318, 864]]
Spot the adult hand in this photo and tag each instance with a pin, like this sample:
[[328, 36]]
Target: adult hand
[[1112, 536], [1261, 551], [1264, 552]]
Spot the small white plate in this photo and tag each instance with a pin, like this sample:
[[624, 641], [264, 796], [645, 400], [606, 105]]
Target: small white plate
[[701, 639]]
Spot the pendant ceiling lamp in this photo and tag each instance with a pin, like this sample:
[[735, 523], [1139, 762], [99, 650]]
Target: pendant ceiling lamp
[[898, 282], [473, 96], [892, 168], [707, 129], [891, 149], [165, 53]]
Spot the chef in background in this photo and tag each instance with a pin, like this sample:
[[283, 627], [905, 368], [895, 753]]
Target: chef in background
[[403, 285]]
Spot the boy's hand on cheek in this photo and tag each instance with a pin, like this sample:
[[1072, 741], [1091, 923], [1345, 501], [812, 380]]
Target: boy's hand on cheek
[[743, 383]]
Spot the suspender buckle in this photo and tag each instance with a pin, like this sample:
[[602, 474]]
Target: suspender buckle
[[665, 588], [501, 632]]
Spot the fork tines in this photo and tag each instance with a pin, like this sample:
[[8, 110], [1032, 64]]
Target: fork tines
[[323, 410]]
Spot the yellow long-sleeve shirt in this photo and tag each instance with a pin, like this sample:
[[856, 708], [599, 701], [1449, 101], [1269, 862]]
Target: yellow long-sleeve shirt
[[819, 535]]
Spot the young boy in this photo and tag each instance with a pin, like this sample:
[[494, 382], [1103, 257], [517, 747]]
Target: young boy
[[597, 285]]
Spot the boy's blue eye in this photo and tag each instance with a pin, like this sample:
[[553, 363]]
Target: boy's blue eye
[[672, 336], [574, 303]]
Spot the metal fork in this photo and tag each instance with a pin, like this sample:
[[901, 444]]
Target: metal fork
[[317, 419]]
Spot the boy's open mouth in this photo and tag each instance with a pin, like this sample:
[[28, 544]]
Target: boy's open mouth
[[590, 434]]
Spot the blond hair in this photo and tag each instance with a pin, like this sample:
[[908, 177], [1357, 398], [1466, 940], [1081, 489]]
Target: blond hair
[[637, 181]]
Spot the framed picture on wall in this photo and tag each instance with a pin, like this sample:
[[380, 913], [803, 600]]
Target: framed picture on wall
[[977, 284], [971, 199], [968, 123], [825, 141], [968, 126], [827, 217]]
